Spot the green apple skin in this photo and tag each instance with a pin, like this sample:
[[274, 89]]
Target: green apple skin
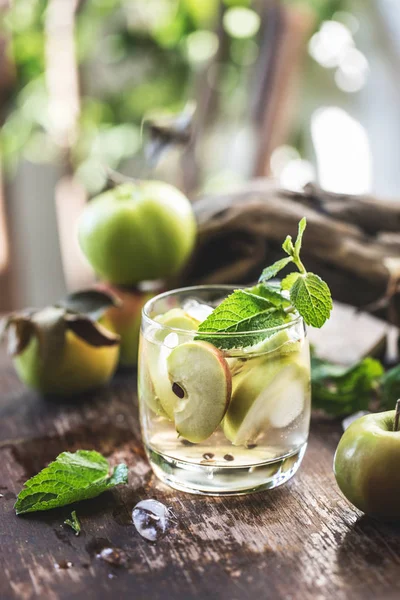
[[81, 367], [137, 232], [366, 465]]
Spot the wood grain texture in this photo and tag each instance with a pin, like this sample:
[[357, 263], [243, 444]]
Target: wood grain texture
[[300, 541]]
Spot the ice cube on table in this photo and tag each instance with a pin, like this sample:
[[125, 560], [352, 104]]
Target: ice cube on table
[[196, 309], [151, 519]]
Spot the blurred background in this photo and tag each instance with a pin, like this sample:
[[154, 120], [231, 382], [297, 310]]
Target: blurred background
[[298, 90]]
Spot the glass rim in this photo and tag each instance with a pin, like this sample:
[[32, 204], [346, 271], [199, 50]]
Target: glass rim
[[146, 316]]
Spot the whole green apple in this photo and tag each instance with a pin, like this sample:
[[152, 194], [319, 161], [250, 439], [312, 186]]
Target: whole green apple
[[137, 232], [125, 320], [366, 465]]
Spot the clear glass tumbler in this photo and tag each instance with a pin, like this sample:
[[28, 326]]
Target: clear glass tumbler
[[220, 422]]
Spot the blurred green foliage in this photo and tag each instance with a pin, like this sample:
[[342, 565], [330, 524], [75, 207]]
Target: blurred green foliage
[[134, 56]]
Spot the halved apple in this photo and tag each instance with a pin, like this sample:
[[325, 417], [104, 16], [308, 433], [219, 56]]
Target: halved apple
[[269, 393], [201, 382]]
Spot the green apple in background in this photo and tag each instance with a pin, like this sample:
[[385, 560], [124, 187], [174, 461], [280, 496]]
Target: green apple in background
[[366, 465], [137, 232], [125, 320]]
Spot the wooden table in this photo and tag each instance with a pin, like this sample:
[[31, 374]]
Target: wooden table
[[298, 542]]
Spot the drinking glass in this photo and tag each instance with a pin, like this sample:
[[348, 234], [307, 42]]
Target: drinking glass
[[220, 421]]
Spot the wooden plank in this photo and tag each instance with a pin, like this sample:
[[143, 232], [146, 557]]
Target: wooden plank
[[301, 541], [350, 335]]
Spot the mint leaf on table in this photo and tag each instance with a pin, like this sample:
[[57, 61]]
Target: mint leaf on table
[[342, 390], [72, 477], [241, 312], [312, 299], [74, 523]]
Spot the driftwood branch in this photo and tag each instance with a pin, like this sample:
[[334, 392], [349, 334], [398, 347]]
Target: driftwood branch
[[349, 239]]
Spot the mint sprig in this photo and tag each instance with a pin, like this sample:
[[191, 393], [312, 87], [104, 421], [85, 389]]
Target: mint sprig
[[267, 306], [74, 523], [72, 477], [309, 294]]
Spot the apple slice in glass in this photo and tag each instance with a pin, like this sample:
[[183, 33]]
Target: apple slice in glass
[[268, 393], [179, 319], [201, 382], [280, 341], [158, 351], [146, 388]]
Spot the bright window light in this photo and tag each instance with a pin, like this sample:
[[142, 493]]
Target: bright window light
[[353, 71], [342, 150], [296, 174], [201, 45], [329, 43], [241, 22]]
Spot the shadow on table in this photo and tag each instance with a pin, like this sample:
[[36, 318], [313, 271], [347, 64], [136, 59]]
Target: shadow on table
[[369, 543]]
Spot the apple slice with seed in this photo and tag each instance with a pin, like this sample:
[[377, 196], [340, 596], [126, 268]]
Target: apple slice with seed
[[157, 353], [201, 382]]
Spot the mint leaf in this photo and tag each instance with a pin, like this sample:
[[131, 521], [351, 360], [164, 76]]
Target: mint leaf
[[311, 298], [274, 269], [287, 245], [269, 293], [72, 477], [341, 390], [289, 280], [73, 522], [240, 312], [297, 246], [92, 303], [390, 388]]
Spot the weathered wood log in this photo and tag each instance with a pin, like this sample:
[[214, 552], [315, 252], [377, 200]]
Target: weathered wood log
[[348, 238]]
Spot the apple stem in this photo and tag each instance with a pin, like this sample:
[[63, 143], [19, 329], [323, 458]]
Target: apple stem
[[397, 416]]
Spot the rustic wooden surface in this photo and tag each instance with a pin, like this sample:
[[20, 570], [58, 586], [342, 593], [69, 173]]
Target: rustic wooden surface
[[298, 542]]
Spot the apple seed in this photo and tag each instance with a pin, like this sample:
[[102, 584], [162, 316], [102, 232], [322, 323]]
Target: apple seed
[[178, 391]]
